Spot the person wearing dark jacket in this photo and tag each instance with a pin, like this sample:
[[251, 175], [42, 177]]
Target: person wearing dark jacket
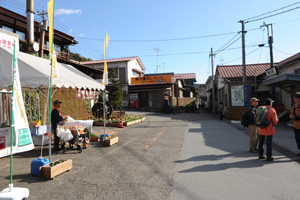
[[253, 129], [57, 119]]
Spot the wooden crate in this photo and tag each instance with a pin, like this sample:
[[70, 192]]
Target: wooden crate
[[114, 124], [48, 172], [110, 142], [96, 123]]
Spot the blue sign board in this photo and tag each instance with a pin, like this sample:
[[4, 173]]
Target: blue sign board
[[246, 95]]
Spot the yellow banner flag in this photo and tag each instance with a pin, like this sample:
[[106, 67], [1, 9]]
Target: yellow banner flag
[[55, 67], [51, 25], [105, 74]]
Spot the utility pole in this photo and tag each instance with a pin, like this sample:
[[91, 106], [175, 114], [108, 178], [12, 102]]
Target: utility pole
[[243, 51], [270, 39], [213, 80], [43, 27]]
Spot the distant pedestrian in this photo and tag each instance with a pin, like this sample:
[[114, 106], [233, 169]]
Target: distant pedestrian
[[295, 116], [268, 132], [203, 105], [221, 110], [253, 129]]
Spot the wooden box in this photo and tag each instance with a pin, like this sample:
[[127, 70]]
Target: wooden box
[[96, 123], [114, 124], [110, 142], [50, 172]]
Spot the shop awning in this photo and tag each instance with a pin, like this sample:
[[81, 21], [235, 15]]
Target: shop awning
[[35, 73], [283, 80]]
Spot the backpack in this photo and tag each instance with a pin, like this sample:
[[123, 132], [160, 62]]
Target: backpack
[[245, 119], [261, 117]]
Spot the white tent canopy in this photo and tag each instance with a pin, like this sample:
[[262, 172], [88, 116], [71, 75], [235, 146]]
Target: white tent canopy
[[35, 73]]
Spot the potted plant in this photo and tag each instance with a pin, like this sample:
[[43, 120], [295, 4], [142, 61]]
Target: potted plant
[[94, 138], [110, 140], [55, 168], [100, 122], [114, 122]]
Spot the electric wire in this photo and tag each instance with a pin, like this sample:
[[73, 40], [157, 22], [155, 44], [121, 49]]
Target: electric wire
[[261, 48], [241, 57], [282, 52], [228, 45], [272, 11], [273, 15]]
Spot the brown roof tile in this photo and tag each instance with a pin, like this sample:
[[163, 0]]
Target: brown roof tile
[[236, 71], [289, 59], [109, 60]]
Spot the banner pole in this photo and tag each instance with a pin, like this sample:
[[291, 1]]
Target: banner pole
[[12, 113]]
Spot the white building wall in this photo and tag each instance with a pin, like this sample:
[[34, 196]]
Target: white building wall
[[133, 64]]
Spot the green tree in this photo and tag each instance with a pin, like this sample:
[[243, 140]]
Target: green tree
[[116, 92], [78, 57]]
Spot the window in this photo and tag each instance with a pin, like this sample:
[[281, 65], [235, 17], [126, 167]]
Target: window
[[113, 71], [22, 35], [8, 28], [135, 73]]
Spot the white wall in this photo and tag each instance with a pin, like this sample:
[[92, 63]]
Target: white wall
[[133, 64]]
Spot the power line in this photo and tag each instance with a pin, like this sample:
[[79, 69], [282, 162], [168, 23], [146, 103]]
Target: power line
[[272, 11], [241, 57], [228, 45], [164, 40], [283, 52], [273, 15]]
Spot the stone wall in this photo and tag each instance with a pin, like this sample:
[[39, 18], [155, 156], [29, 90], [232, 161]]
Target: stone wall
[[182, 101]]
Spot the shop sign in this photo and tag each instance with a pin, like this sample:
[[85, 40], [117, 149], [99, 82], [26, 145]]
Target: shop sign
[[2, 143], [7, 41], [82, 94], [151, 79], [271, 72]]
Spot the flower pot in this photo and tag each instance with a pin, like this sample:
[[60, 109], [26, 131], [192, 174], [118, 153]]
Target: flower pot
[[100, 123], [115, 124], [94, 139], [110, 142], [48, 172]]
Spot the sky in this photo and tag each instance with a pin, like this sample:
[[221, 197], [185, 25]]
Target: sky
[[176, 36]]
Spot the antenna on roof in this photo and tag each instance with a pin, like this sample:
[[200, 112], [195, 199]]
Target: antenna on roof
[[157, 50]]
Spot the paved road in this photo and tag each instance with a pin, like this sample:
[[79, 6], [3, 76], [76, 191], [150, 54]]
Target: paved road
[[180, 156], [215, 164]]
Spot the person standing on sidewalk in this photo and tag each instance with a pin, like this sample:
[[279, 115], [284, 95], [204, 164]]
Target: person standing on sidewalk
[[221, 110], [268, 132], [253, 129], [295, 116]]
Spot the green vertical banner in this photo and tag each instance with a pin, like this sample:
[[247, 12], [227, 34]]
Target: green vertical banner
[[21, 133]]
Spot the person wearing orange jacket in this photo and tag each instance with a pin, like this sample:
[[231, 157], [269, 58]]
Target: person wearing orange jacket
[[295, 116], [268, 132]]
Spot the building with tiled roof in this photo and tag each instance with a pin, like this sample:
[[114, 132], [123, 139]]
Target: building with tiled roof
[[124, 69]]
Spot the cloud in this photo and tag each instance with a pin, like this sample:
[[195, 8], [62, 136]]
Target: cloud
[[63, 11], [80, 35], [70, 31]]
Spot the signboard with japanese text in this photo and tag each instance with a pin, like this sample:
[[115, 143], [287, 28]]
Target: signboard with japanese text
[[151, 79], [271, 72], [7, 41], [246, 95]]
